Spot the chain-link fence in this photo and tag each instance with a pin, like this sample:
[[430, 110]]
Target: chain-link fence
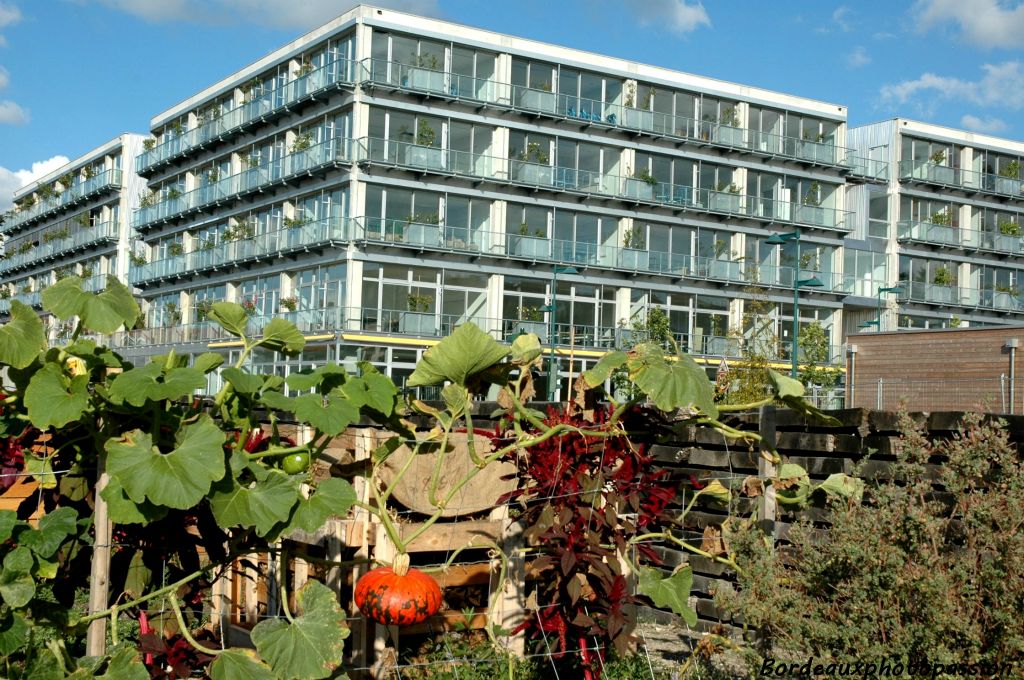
[[997, 394]]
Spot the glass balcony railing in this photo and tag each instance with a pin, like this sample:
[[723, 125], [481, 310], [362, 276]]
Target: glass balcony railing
[[82, 238], [420, 236], [631, 189], [104, 181], [1004, 299], [868, 168], [332, 152], [957, 237], [31, 299], [276, 102], [311, 234], [959, 178], [455, 86]]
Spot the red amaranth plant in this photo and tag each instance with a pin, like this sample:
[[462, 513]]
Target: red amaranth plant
[[584, 497]]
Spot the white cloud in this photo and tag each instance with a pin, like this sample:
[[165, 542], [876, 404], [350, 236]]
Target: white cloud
[[9, 14], [989, 125], [988, 23], [858, 58], [839, 18], [5, 78], [676, 15], [12, 114], [302, 15], [10, 180], [1001, 86]]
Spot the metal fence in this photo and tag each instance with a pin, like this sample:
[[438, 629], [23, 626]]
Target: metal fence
[[990, 395]]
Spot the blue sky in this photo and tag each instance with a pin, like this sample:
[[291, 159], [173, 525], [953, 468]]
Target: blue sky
[[75, 73]]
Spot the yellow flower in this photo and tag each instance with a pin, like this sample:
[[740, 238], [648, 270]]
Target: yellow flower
[[75, 366]]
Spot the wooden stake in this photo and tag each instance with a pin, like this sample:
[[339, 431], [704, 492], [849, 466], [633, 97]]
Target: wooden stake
[[99, 581]]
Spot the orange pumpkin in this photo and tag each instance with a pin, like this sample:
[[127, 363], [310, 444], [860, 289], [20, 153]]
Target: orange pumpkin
[[398, 595]]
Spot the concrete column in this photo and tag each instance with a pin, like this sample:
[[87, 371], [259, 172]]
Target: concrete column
[[354, 295], [623, 306], [495, 304]]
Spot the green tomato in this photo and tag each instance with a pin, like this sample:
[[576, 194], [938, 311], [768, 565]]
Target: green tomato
[[295, 463]]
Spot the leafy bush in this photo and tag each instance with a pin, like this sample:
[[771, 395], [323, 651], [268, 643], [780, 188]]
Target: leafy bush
[[918, 571]]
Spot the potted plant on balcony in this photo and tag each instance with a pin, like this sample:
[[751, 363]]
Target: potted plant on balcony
[[84, 220], [302, 142], [289, 304], [172, 315], [725, 198], [809, 264], [46, 193], [67, 180], [418, 319], [722, 266], [938, 171], [423, 229], [88, 172], [634, 253], [426, 73], [540, 98], [532, 165], [175, 249], [1005, 297], [136, 259], [203, 308], [1008, 239], [294, 222], [25, 246], [809, 211], [423, 153], [638, 118], [940, 229], [640, 186], [531, 320], [524, 245], [728, 130], [1008, 181], [942, 286], [149, 143]]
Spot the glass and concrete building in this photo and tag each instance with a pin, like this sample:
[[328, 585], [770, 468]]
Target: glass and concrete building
[[74, 220], [948, 221], [387, 177]]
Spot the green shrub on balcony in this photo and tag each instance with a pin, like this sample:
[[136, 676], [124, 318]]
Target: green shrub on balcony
[[149, 144], [943, 218], [87, 271], [533, 153], [1005, 288], [938, 158], [1009, 228], [67, 179], [294, 222], [425, 135], [530, 313], [634, 238], [137, 260], [645, 176], [418, 303], [175, 249], [88, 172], [942, 277], [290, 304], [302, 142], [813, 196], [25, 246], [1011, 170]]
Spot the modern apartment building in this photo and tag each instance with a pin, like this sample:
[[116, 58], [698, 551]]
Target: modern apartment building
[[74, 220], [949, 223], [387, 177]]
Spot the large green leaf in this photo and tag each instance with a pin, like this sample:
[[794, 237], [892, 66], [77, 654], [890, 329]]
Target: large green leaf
[[8, 520], [373, 390], [16, 584], [244, 383], [791, 392], [53, 528], [525, 348], [124, 665], [843, 486], [13, 632], [22, 338], [330, 414], [262, 504], [207, 361], [178, 479], [153, 382], [333, 497], [792, 485], [325, 377], [310, 647], [463, 354], [671, 384], [231, 317], [240, 664], [672, 592], [281, 335], [603, 369], [55, 399], [103, 312], [123, 510]]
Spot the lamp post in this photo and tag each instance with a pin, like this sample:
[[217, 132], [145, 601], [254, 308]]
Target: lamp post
[[798, 283], [553, 329], [881, 291]]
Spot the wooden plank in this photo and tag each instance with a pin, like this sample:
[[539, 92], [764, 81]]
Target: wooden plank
[[451, 536], [99, 576]]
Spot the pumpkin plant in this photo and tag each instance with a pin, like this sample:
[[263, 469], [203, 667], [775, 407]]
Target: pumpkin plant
[[192, 486]]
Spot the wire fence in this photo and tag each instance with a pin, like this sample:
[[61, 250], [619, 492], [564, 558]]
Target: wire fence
[[998, 394]]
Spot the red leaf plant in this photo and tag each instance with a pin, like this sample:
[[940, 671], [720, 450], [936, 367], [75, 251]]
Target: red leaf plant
[[583, 497]]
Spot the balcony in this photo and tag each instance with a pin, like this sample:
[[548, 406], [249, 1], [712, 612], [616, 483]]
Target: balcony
[[456, 87], [868, 169], [321, 233], [989, 240], [448, 162], [82, 239], [998, 299], [270, 105], [332, 153], [106, 180], [927, 172], [31, 299]]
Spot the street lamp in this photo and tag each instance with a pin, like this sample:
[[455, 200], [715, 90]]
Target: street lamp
[[798, 283], [885, 289], [553, 329]]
